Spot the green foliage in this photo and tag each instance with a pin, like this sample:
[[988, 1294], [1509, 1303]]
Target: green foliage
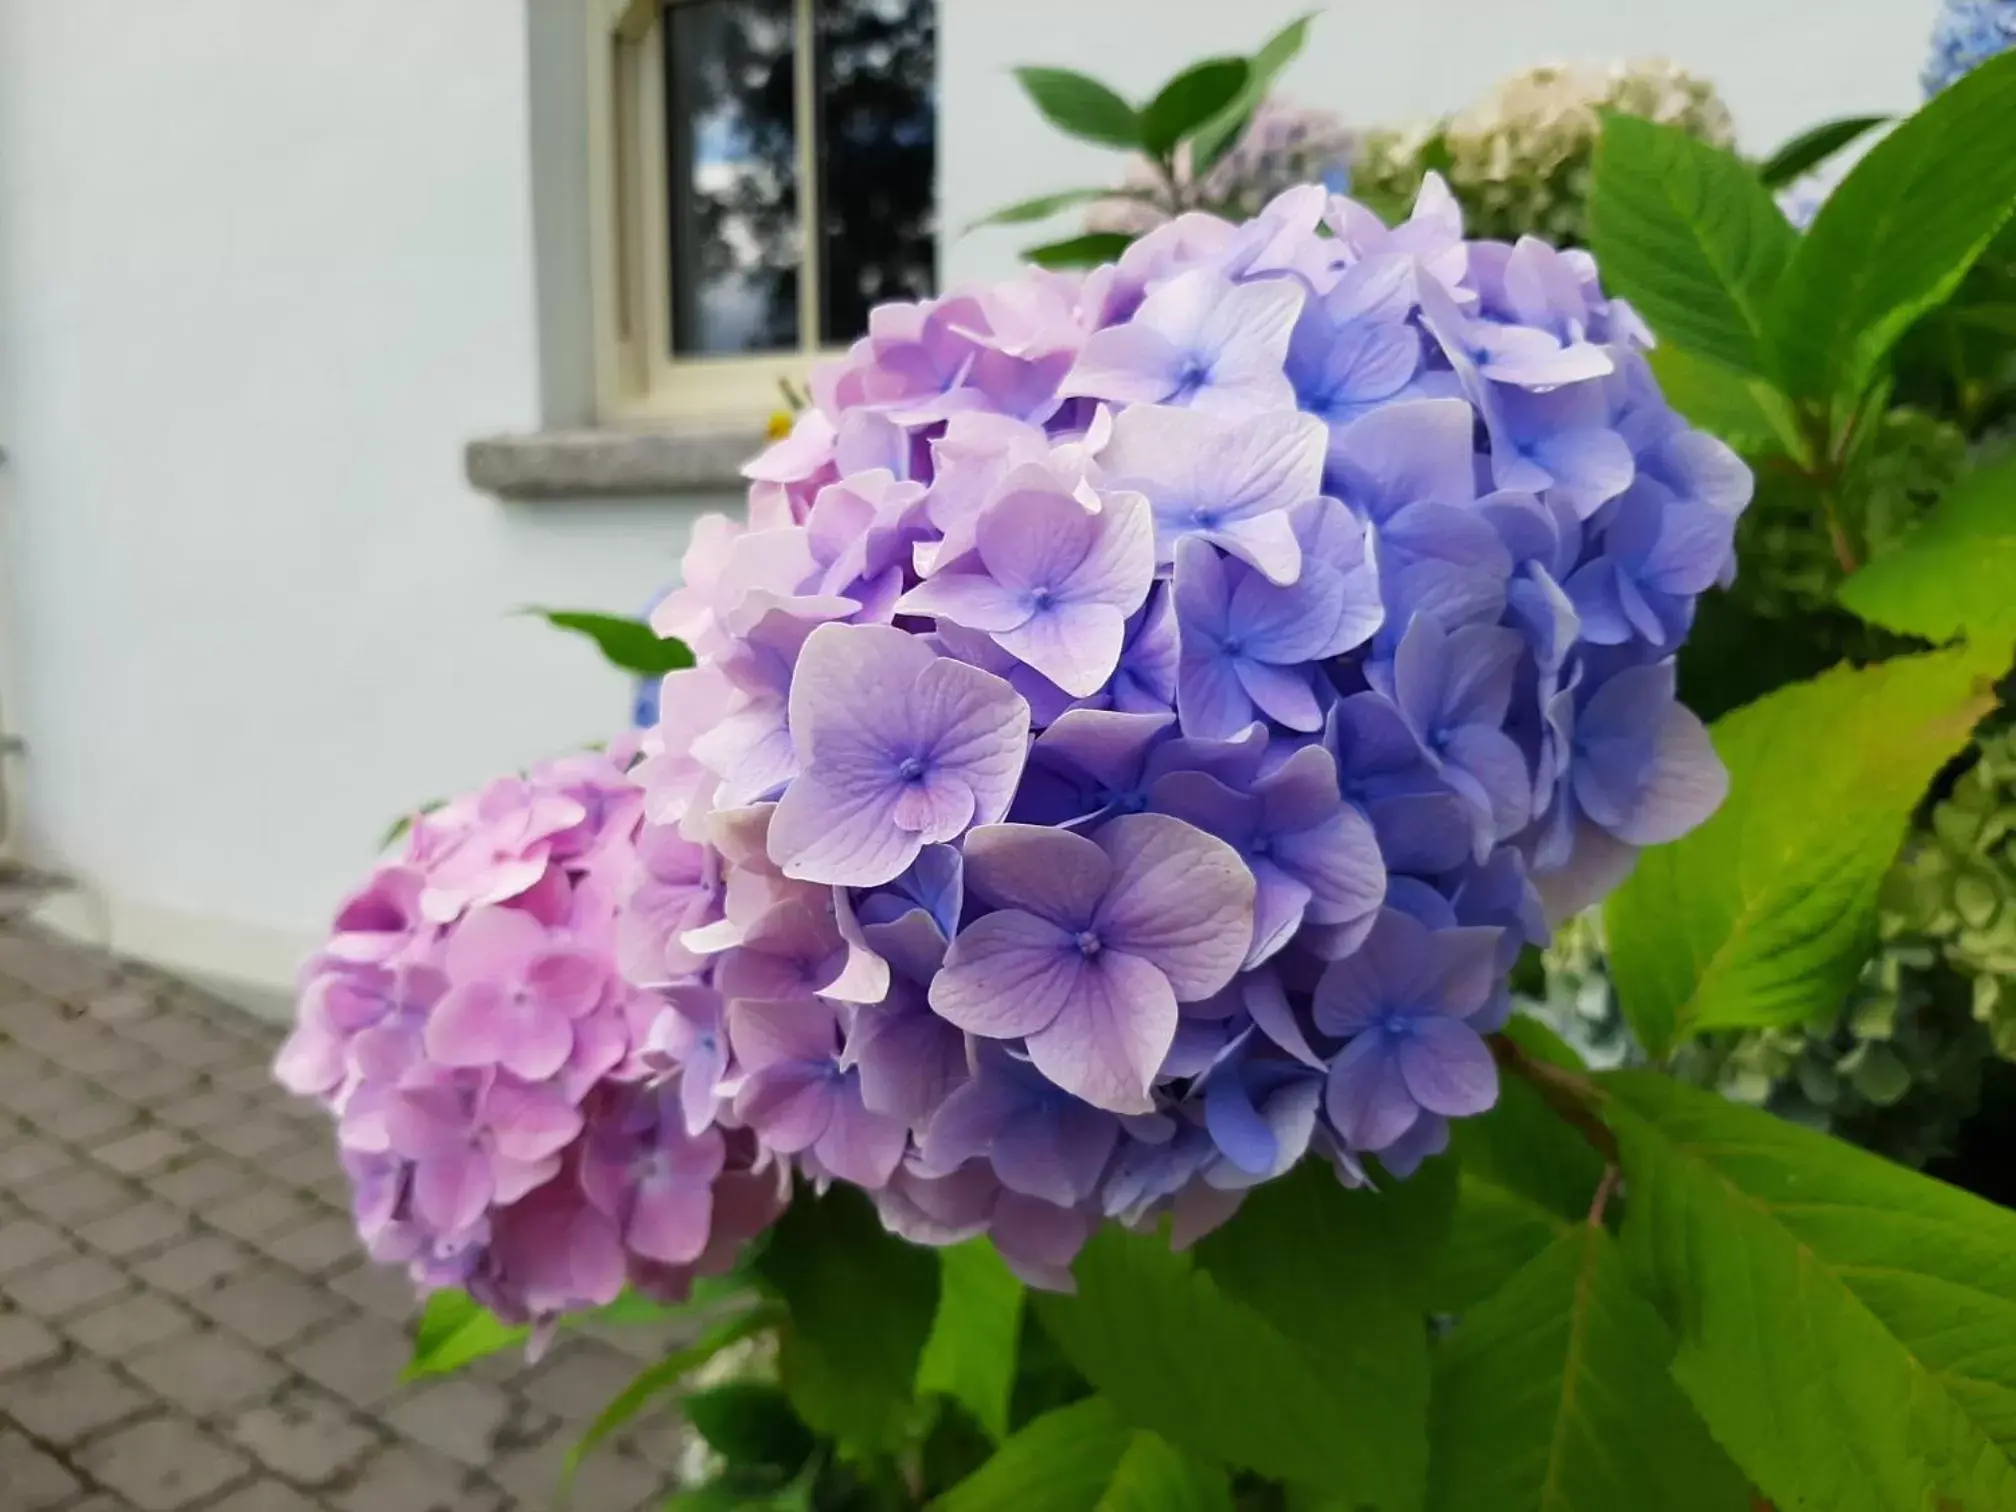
[[1174, 1353], [1086, 251], [1956, 573], [454, 1331], [1686, 233], [1812, 147], [860, 1303], [1082, 107], [1552, 1395], [1765, 914], [1042, 207], [1189, 100], [1846, 1329], [972, 1352], [1211, 140], [1526, 1179], [1085, 1458], [629, 645], [1744, 411], [1896, 237], [750, 1424]]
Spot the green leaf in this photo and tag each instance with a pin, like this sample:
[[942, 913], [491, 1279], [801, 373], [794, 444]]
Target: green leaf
[[1898, 235], [1687, 234], [627, 644], [972, 1351], [1847, 1328], [1081, 106], [1086, 251], [750, 1423], [860, 1302], [1210, 142], [1956, 573], [1270, 1348], [1764, 915], [1744, 411], [1044, 206], [1085, 1458], [1344, 1277], [1813, 147], [1526, 1178], [455, 1331], [1553, 1396], [662, 1376], [1190, 99]]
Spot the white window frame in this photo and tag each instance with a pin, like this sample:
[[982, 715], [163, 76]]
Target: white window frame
[[638, 380]]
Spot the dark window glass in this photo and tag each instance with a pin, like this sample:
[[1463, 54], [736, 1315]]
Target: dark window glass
[[876, 129], [733, 157]]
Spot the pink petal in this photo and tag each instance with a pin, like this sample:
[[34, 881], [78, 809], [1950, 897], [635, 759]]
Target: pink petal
[[494, 944], [451, 1191], [670, 1223]]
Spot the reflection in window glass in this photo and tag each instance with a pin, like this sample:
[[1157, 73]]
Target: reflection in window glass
[[733, 160], [878, 155]]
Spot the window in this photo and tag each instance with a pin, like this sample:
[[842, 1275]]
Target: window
[[764, 175]]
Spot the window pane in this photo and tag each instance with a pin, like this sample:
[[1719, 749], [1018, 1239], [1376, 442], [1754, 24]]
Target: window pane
[[878, 157], [733, 156]]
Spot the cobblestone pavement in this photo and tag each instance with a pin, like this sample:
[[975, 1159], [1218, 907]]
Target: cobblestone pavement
[[186, 1322]]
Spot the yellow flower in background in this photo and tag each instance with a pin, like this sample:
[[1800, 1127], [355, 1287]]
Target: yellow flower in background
[[780, 424]]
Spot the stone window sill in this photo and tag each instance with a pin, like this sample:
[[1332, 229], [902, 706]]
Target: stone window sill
[[611, 463]]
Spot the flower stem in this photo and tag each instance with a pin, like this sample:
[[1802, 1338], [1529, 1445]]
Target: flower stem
[[1570, 1094]]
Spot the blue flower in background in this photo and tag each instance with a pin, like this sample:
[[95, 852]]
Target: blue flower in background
[[644, 706], [1967, 34]]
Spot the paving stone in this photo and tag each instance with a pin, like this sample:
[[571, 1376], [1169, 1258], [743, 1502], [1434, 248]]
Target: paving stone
[[457, 1417], [51, 965], [30, 1160], [127, 1003], [19, 1067], [65, 1285], [200, 1184], [131, 1324], [103, 1502], [359, 1359], [406, 1479], [253, 1080], [266, 1306], [206, 1110], [50, 1098], [27, 1242], [578, 1379], [163, 1464], [254, 1137], [607, 1480], [206, 1373], [152, 1084], [69, 1400], [142, 1226], [92, 1051], [31, 1480], [310, 1438], [265, 1496], [72, 1197], [88, 1122], [317, 1247], [138, 1151], [25, 1342], [378, 1289], [195, 1265], [264, 1210]]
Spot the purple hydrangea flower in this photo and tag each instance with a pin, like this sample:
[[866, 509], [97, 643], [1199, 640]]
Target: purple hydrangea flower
[[799, 1098], [1201, 341], [1094, 942]]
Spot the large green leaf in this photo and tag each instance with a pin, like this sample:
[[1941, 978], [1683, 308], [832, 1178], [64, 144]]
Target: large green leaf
[[1081, 106], [1086, 1458], [1553, 1396], [1173, 1353], [1956, 573], [974, 1344], [627, 644], [1527, 1178], [1813, 147], [1898, 235], [1345, 1276], [1043, 206], [454, 1331], [1745, 411], [750, 1423], [1847, 1329], [1687, 234], [860, 1303], [1086, 251], [1764, 915], [1212, 139], [1190, 99]]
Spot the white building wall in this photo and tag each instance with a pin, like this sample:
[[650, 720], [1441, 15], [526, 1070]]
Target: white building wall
[[265, 265]]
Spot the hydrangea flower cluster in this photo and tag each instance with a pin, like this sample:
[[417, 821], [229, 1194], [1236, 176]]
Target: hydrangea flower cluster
[[1967, 34], [507, 1107], [1144, 714]]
